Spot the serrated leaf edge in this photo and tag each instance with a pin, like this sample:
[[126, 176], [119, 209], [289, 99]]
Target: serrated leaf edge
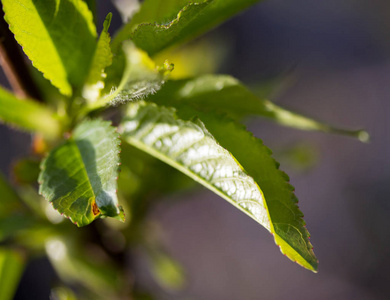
[[43, 168]]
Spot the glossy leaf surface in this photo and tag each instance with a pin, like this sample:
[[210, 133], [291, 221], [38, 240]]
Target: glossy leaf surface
[[79, 177], [287, 224], [247, 177], [190, 148], [58, 36]]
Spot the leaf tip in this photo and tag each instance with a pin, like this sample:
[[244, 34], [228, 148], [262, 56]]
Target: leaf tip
[[107, 22], [363, 136]]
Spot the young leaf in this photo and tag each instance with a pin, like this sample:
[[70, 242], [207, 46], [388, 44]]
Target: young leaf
[[11, 268], [226, 94], [28, 115], [141, 77], [58, 36], [79, 177], [101, 60], [247, 176], [159, 25]]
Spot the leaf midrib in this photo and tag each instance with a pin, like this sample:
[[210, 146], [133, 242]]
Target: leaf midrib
[[84, 168], [148, 149]]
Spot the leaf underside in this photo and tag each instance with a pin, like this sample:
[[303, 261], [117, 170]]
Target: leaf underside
[[236, 176], [79, 177], [189, 147], [58, 37], [154, 29]]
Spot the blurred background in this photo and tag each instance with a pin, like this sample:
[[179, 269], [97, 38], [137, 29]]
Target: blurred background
[[329, 60]]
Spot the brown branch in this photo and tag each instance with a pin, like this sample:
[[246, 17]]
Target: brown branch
[[14, 65]]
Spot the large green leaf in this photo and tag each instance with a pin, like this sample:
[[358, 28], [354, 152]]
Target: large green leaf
[[140, 78], [226, 94], [246, 175], [161, 24], [58, 36], [101, 60], [11, 268], [79, 177], [287, 225], [28, 115]]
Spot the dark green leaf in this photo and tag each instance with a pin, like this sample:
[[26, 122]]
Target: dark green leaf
[[58, 36], [79, 177]]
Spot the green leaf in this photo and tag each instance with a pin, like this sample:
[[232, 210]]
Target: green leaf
[[11, 268], [58, 36], [287, 225], [28, 115], [227, 95], [246, 175], [101, 60], [140, 78], [79, 177], [159, 25], [92, 7]]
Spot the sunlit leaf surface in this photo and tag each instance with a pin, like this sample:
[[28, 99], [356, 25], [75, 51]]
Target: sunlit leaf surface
[[190, 148], [246, 175], [58, 36]]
